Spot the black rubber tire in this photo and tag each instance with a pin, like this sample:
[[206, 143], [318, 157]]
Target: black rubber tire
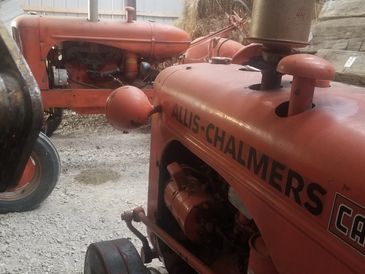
[[47, 164], [113, 257], [53, 121]]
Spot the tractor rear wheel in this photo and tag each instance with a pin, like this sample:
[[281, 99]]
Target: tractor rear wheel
[[39, 179], [113, 257]]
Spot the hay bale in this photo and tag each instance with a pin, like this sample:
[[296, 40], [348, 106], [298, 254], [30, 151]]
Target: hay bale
[[202, 17]]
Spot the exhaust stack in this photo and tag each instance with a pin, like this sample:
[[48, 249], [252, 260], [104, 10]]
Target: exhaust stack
[[93, 14], [282, 23], [281, 26], [132, 14]]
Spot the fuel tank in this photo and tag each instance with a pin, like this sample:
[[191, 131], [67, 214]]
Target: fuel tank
[[300, 177], [143, 38]]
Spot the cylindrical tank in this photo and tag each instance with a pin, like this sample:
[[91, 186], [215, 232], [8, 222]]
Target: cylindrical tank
[[146, 39], [282, 22]]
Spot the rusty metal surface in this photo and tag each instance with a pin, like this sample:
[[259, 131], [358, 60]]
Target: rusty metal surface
[[20, 111]]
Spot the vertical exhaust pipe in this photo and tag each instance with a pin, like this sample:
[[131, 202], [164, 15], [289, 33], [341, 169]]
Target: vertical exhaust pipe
[[132, 12], [129, 14], [93, 14]]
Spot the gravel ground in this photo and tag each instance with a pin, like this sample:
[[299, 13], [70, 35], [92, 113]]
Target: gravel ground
[[104, 172]]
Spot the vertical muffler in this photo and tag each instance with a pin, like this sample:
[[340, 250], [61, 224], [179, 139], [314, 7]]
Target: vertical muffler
[[282, 22], [132, 4], [280, 26]]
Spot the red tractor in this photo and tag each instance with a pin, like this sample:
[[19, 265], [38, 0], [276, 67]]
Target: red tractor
[[78, 62], [29, 163], [250, 171]]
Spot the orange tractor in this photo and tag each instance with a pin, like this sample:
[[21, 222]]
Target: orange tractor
[[77, 63], [252, 170], [29, 163]]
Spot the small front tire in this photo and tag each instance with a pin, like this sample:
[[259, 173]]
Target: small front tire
[[113, 257]]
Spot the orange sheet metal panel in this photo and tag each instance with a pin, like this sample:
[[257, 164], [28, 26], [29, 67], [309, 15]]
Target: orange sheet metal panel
[[144, 38], [301, 177], [84, 101]]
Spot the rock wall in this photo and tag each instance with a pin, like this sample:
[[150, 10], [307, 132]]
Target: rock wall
[[339, 36]]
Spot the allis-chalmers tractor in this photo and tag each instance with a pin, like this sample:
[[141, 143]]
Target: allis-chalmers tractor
[[251, 171], [77, 63], [29, 163]]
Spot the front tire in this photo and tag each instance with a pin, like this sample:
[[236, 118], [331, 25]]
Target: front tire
[[113, 257], [39, 179]]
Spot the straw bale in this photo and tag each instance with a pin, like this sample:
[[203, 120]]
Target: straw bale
[[202, 17]]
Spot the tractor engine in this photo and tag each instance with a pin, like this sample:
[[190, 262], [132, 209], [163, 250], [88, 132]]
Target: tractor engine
[[202, 211], [89, 65]]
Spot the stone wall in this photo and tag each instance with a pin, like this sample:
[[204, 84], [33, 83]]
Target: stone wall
[[339, 36]]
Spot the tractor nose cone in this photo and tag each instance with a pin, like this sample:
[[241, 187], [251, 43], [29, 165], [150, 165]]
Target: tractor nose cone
[[128, 107]]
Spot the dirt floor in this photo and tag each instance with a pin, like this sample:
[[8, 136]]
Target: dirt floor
[[104, 172]]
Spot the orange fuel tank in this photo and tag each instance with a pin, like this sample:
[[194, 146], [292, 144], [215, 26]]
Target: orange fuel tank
[[160, 41]]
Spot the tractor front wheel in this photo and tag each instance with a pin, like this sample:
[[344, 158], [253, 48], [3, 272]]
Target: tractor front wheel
[[39, 179], [113, 257]]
